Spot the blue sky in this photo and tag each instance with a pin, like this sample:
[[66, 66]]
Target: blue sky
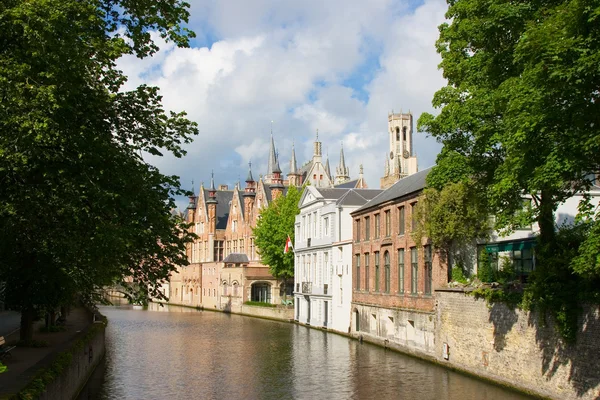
[[337, 66]]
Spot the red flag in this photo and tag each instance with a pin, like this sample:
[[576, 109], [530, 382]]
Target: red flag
[[288, 245]]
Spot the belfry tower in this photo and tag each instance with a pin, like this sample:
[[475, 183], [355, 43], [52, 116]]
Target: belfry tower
[[401, 161]]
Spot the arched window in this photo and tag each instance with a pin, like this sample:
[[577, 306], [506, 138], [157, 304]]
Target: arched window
[[404, 133], [224, 288], [386, 261], [397, 134], [235, 289]]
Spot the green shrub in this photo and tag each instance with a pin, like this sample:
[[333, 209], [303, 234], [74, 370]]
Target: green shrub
[[259, 303], [485, 271], [458, 274]]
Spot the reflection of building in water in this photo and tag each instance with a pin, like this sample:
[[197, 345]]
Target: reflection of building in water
[[225, 268]]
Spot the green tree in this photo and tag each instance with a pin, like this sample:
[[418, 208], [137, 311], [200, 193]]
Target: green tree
[[80, 208], [275, 224], [522, 107], [522, 102]]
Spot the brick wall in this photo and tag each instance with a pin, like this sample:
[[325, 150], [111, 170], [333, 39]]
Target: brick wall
[[512, 346]]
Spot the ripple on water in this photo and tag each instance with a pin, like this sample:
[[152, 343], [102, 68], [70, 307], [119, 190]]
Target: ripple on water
[[186, 354]]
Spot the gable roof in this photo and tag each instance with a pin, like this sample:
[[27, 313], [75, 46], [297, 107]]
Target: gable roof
[[347, 185], [357, 197], [410, 184]]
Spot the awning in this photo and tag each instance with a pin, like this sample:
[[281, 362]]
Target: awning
[[509, 246]]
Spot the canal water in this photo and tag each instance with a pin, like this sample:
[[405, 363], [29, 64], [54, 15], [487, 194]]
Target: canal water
[[180, 353]]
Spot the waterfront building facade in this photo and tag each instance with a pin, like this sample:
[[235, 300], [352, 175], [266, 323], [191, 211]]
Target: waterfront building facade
[[225, 268], [394, 277], [323, 255]]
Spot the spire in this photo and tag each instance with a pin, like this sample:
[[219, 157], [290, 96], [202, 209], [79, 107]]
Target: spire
[[293, 166], [249, 177], [317, 147], [277, 169], [212, 192], [272, 155], [342, 172], [212, 181], [327, 169]]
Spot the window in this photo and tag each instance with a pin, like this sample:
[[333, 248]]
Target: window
[[404, 133], [387, 224], [358, 230], [386, 269], [218, 253], [326, 226], [309, 224], [413, 215], [252, 249], [367, 228], [401, 222], [400, 270], [242, 248], [235, 246], [367, 266], [523, 261], [414, 261], [224, 289], [376, 226], [315, 225], [428, 269], [357, 271], [397, 134], [304, 226], [377, 271]]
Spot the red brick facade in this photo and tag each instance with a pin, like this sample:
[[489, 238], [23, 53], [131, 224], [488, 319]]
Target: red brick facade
[[387, 289]]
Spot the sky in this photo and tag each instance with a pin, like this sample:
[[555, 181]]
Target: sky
[[295, 67]]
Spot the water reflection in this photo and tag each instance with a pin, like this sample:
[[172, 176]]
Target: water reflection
[[174, 352]]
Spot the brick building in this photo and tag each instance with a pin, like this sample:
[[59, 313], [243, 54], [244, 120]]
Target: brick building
[[394, 277], [225, 269]]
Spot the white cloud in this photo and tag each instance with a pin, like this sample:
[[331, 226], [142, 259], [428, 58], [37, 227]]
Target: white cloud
[[289, 62]]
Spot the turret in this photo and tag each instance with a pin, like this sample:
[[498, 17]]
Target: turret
[[249, 194], [211, 204], [342, 172], [294, 178]]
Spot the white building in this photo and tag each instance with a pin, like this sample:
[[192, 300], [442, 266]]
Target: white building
[[323, 251], [518, 246]]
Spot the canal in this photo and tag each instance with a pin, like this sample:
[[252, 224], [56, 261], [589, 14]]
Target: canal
[[180, 353]]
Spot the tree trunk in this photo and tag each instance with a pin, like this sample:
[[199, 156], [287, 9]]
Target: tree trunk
[[26, 331], [546, 219]]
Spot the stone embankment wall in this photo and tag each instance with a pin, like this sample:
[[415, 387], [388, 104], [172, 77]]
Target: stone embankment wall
[[84, 361], [278, 313], [515, 347], [408, 331]]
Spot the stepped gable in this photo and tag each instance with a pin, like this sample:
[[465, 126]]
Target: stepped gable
[[404, 186]]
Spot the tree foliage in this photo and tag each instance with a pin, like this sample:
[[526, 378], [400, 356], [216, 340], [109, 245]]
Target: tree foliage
[[274, 224], [80, 207], [450, 217], [522, 109]]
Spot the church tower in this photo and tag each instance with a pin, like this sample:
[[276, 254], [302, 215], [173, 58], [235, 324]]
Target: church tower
[[401, 161]]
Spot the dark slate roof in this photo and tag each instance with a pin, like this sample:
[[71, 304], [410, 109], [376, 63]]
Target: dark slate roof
[[303, 171], [332, 193], [268, 192], [347, 185], [357, 197], [236, 258], [410, 184], [241, 199], [224, 197]]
